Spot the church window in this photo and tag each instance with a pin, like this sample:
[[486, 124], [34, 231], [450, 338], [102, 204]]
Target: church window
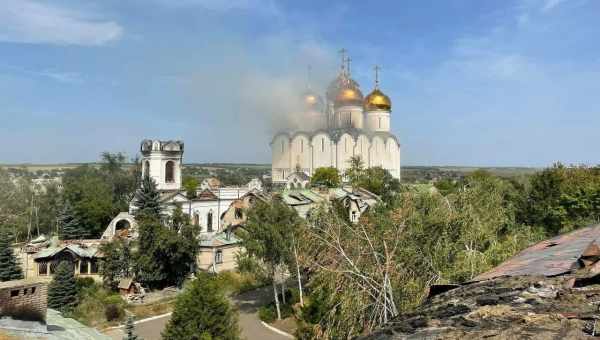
[[146, 169], [170, 172], [322, 144], [196, 219], [301, 145], [209, 222], [380, 122]]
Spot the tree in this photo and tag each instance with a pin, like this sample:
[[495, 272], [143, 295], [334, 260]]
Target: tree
[[69, 224], [179, 218], [328, 177], [62, 290], [147, 200], [129, 330], [123, 181], [116, 263], [355, 172], [267, 234], [380, 182], [191, 185], [202, 312], [9, 268]]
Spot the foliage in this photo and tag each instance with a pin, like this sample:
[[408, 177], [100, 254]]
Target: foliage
[[62, 290], [563, 198], [236, 282], [147, 200], [94, 300], [375, 179], [191, 185], [69, 224], [15, 205], [113, 312], [179, 218], [328, 177], [202, 310], [116, 263], [165, 257], [9, 268]]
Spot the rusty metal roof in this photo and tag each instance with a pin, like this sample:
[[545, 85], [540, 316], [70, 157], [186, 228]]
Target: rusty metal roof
[[556, 256]]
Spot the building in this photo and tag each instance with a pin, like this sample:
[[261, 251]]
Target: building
[[24, 297], [346, 124]]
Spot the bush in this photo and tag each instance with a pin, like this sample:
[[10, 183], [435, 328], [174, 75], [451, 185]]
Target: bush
[[84, 282], [113, 312], [267, 314], [23, 313]]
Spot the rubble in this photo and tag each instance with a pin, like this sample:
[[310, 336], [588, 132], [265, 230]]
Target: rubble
[[548, 291]]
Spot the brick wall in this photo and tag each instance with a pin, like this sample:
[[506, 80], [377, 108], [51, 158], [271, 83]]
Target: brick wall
[[24, 293]]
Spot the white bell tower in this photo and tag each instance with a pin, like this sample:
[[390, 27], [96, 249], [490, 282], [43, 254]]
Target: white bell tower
[[162, 160]]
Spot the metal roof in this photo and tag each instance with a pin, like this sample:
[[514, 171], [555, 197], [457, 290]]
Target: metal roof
[[87, 252], [558, 255]]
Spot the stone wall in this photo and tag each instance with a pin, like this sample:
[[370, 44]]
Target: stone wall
[[17, 294]]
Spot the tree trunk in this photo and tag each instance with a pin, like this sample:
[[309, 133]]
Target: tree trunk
[[283, 289], [275, 296], [298, 276]]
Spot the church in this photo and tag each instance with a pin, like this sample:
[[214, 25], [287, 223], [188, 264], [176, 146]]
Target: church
[[332, 130]]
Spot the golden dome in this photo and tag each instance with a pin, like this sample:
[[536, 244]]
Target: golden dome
[[377, 100], [312, 101], [349, 95]]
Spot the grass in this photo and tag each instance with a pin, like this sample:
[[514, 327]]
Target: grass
[[159, 307]]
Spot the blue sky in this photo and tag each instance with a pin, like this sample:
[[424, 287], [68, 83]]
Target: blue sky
[[484, 83]]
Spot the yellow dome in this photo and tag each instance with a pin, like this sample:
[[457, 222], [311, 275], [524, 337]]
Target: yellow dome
[[312, 101], [376, 100], [349, 95]]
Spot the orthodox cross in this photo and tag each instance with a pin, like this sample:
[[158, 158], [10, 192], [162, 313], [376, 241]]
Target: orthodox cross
[[377, 68]]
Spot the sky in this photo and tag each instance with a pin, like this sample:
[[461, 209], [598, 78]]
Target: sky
[[473, 83]]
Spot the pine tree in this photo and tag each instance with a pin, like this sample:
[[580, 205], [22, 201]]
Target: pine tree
[[9, 269], [62, 291], [202, 312], [69, 223], [129, 330], [147, 200]]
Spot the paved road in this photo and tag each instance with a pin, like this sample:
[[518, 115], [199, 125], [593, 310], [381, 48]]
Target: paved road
[[251, 327]]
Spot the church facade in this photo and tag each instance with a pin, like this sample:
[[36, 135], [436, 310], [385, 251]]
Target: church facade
[[344, 125]]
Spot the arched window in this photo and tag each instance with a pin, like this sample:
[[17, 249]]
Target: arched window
[[196, 219], [170, 172], [146, 168], [380, 122], [209, 222]]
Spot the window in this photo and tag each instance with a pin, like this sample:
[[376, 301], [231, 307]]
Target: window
[[32, 290], [322, 144], [146, 169], [170, 172], [83, 267], [301, 145], [14, 293], [238, 213], [196, 219], [25, 291], [93, 266], [209, 222], [219, 256], [43, 268]]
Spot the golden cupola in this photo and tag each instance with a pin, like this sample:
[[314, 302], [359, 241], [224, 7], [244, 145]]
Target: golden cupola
[[349, 95], [312, 101], [377, 100]]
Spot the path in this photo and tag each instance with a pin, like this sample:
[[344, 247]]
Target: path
[[250, 324]]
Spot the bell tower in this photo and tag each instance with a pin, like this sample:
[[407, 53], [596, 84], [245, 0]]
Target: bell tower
[[162, 160]]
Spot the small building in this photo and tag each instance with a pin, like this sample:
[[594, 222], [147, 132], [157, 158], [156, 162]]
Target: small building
[[128, 286], [24, 298], [211, 183], [297, 180], [218, 252], [85, 259]]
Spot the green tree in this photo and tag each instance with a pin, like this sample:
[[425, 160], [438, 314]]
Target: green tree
[[122, 178], [130, 330], [9, 268], [62, 290], [91, 196], [149, 261], [116, 263], [69, 224], [191, 185], [267, 237], [328, 177], [202, 312], [380, 182], [147, 200], [179, 218], [355, 172]]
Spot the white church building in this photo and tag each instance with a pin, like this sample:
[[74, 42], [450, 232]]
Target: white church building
[[330, 132]]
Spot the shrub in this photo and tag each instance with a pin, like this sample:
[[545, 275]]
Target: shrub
[[267, 314], [23, 313], [113, 312], [84, 282]]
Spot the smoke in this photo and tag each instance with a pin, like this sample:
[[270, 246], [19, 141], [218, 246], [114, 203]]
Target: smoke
[[245, 98]]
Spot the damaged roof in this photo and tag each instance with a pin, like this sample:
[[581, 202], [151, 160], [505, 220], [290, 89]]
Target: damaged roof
[[559, 255], [87, 252]]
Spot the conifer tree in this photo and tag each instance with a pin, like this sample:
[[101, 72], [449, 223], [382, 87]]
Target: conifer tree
[[129, 330], [62, 291], [69, 223], [9, 269], [202, 312], [147, 200]]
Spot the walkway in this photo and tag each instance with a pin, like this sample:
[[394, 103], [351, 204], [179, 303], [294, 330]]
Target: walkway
[[250, 324]]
